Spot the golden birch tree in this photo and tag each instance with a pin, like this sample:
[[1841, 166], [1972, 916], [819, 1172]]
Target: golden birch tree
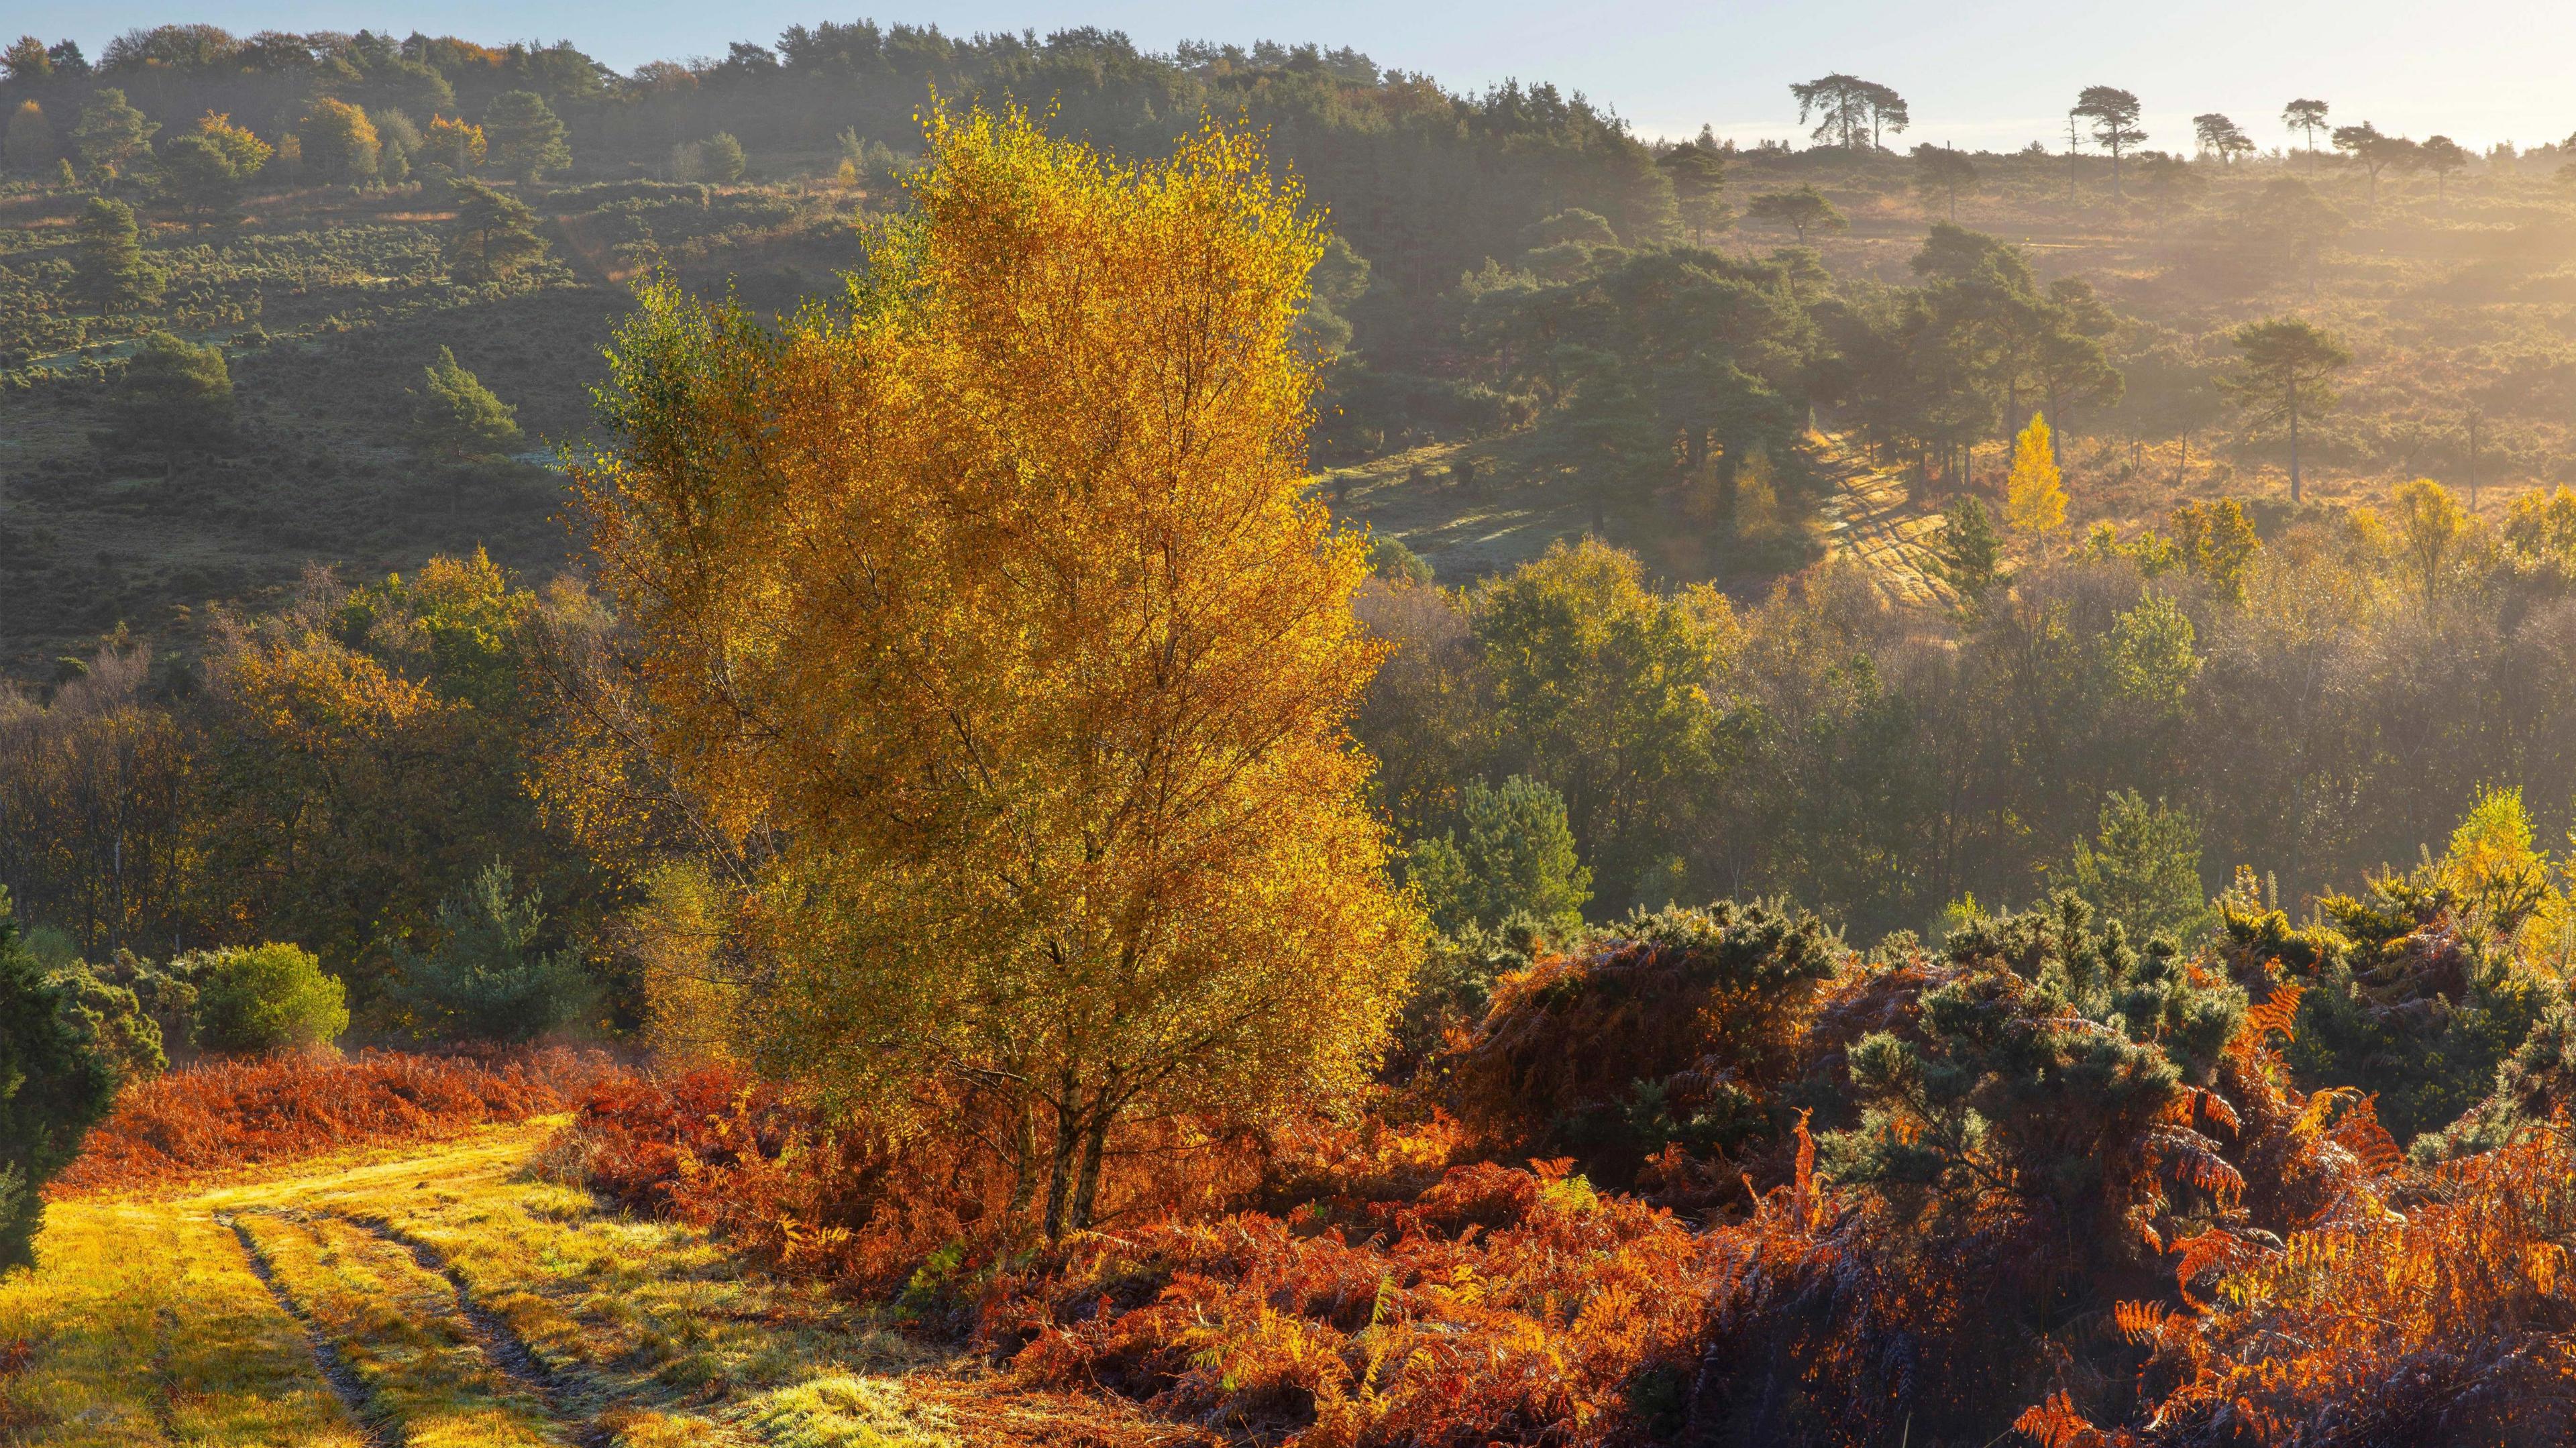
[[994, 598]]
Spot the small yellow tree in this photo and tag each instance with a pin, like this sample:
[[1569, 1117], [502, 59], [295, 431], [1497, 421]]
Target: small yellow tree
[[2035, 497], [995, 603], [2430, 527]]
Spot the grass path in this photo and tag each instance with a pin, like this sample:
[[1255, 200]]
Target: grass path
[[458, 1299], [1873, 515]]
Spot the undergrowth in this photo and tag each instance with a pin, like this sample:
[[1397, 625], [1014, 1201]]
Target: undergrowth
[[224, 1115]]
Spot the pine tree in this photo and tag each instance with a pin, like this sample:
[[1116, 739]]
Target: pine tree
[[458, 417], [2286, 377], [1698, 175], [720, 159], [2143, 869], [1970, 552], [108, 267], [1517, 858], [526, 137], [487, 980], [2035, 496], [495, 236]]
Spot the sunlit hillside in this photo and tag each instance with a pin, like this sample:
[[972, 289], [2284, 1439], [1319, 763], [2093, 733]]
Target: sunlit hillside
[[912, 741]]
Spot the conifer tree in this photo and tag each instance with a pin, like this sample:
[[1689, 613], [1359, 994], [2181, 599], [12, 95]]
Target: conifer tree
[[2142, 869], [2221, 137], [1517, 858], [1802, 211], [1970, 552], [2114, 114], [109, 271], [2286, 377], [1698, 174], [1940, 172], [2307, 117], [487, 980], [527, 139], [720, 159], [2035, 494], [457, 417], [2441, 155], [494, 236]]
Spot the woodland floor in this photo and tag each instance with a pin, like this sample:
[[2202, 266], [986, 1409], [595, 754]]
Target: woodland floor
[[455, 1298]]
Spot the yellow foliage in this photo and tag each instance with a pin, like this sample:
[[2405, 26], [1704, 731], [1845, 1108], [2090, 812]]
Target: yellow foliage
[[247, 152], [454, 144], [2035, 496], [2428, 526], [995, 604]]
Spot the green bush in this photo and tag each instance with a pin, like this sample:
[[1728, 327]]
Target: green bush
[[55, 1080], [265, 998]]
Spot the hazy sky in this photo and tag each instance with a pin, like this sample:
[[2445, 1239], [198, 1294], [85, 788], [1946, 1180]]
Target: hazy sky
[[1978, 73]]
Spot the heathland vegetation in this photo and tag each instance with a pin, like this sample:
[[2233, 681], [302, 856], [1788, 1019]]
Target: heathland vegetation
[[1222, 748]]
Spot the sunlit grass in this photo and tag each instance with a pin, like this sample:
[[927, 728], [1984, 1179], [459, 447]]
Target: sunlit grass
[[398, 1328], [151, 1328]]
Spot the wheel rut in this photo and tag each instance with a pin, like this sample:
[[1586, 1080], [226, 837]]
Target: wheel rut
[[380, 1430], [496, 1340]]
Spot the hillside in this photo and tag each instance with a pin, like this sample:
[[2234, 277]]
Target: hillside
[[1479, 227]]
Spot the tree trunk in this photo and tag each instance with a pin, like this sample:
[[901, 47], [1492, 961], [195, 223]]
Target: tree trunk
[[1087, 1190], [1068, 1137], [2294, 444]]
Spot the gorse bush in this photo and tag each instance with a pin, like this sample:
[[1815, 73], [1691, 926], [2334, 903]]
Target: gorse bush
[[264, 998], [1680, 1028], [57, 1076]]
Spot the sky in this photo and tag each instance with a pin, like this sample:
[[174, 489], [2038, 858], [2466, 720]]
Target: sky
[[1978, 74]]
